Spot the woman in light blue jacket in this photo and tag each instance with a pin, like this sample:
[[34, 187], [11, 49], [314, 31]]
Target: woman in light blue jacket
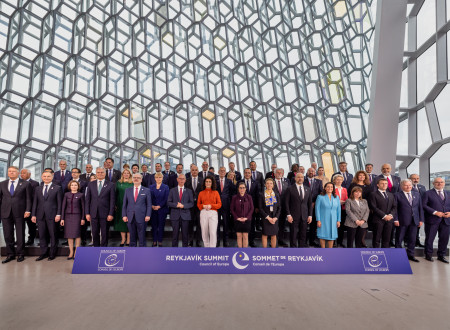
[[328, 215]]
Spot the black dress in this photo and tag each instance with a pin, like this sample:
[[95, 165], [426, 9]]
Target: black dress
[[268, 228]]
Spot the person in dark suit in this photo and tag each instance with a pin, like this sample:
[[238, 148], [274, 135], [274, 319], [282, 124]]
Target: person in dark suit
[[167, 170], [15, 207], [76, 173], [292, 173], [25, 175], [436, 205], [134, 168], [368, 170], [281, 186], [144, 172], [420, 188], [180, 202], [299, 210], [150, 179], [111, 174], [87, 176], [173, 182], [226, 192], [47, 213], [62, 177], [409, 217], [204, 172], [271, 174], [160, 194], [253, 190], [194, 183], [188, 174], [100, 204], [384, 207], [316, 188], [270, 209], [348, 177], [137, 210], [257, 175], [232, 168]]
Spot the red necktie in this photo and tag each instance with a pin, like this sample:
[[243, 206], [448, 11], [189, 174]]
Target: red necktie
[[279, 186], [389, 184], [181, 193], [221, 185], [136, 195]]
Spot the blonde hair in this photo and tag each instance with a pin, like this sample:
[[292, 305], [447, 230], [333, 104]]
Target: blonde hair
[[130, 180]]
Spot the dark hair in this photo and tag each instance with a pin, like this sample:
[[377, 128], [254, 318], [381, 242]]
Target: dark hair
[[49, 169], [179, 165], [211, 168], [109, 158], [135, 165], [366, 178], [293, 167], [241, 184], [76, 168], [382, 179], [213, 185], [252, 162], [340, 163], [324, 192], [369, 164], [320, 167], [72, 181], [355, 189], [161, 164]]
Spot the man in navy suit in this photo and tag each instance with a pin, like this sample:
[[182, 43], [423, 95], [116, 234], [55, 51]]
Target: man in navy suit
[[150, 179], [348, 177], [111, 174], [173, 182], [237, 174], [62, 177], [226, 191], [369, 169], [136, 210], [194, 182], [180, 201], [257, 175], [409, 217], [87, 176], [253, 190], [99, 206], [25, 175], [205, 172], [420, 188], [15, 207], [436, 204], [144, 172], [47, 213], [316, 187], [271, 174], [281, 187], [167, 170], [393, 180]]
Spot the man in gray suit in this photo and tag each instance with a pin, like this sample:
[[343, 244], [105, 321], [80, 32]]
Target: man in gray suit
[[180, 202]]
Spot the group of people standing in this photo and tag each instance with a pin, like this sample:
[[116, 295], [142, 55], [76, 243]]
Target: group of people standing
[[199, 203]]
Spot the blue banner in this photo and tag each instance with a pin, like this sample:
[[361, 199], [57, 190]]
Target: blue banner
[[114, 260]]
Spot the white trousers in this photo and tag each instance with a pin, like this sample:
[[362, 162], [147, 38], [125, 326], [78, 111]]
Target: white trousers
[[208, 224]]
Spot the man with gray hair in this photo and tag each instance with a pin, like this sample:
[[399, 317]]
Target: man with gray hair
[[25, 174], [63, 176]]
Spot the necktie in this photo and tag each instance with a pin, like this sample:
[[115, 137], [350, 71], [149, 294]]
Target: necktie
[[385, 195], [11, 188], [181, 193], [279, 186], [100, 186], [248, 187], [88, 175], [46, 191], [204, 175], [135, 194], [254, 176], [441, 194], [110, 175], [310, 182], [370, 177], [409, 199], [389, 184], [195, 184], [221, 185], [62, 175], [300, 192], [415, 188]]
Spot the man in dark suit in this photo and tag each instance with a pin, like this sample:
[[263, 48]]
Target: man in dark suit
[[180, 202], [173, 182], [298, 203], [369, 169], [150, 179], [436, 205], [136, 210], [271, 174], [204, 172], [167, 170], [111, 174], [257, 175], [47, 213], [348, 177], [62, 177], [253, 190], [316, 188], [281, 187], [194, 183], [225, 188], [87, 176], [15, 207], [384, 208], [25, 175], [99, 206], [144, 172], [409, 217], [420, 188], [237, 174]]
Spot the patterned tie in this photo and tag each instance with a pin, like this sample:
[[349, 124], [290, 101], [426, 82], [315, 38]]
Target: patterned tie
[[385, 195], [441, 194], [46, 192], [409, 199], [11, 188], [181, 193], [279, 186], [135, 194], [100, 186]]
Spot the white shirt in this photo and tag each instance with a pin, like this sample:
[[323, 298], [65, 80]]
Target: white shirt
[[410, 194], [194, 182], [182, 189], [388, 177], [249, 182], [102, 182], [357, 201], [48, 188], [300, 187], [16, 182]]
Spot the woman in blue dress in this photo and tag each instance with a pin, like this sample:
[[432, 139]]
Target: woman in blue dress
[[160, 194], [328, 215]]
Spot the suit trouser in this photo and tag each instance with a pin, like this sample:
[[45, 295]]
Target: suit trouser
[[99, 225], [158, 222], [8, 233], [195, 221], [208, 223], [252, 234], [223, 216], [298, 227], [48, 228], [355, 235], [176, 224], [341, 229], [31, 229], [281, 225], [382, 232], [137, 230], [410, 233], [312, 234], [430, 234], [84, 231]]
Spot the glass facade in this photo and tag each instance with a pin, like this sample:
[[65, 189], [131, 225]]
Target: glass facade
[[185, 81]]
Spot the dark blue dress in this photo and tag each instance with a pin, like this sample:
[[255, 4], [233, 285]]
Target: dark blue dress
[[158, 218]]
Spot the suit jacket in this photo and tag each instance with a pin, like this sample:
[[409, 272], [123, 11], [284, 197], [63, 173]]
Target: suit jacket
[[316, 188], [265, 210], [259, 179], [356, 212], [187, 200], [84, 176], [140, 208], [47, 208], [227, 193], [144, 174], [270, 174], [116, 175], [237, 174], [254, 191], [172, 180], [208, 173], [380, 206], [284, 188], [83, 185], [100, 206], [407, 213], [372, 177], [150, 179], [19, 203], [299, 209], [72, 206], [197, 189], [420, 189], [347, 179], [395, 183], [63, 183], [33, 185], [432, 202]]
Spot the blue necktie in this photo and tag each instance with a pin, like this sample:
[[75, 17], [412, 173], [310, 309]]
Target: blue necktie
[[110, 175], [247, 187], [46, 192], [11, 188]]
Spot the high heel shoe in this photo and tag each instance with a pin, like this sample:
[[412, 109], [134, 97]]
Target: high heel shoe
[[154, 244], [159, 244], [70, 258], [122, 245]]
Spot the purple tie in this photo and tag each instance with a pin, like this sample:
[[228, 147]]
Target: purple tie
[[441, 194], [279, 186]]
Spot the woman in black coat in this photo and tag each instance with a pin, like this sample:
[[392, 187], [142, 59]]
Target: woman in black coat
[[270, 210]]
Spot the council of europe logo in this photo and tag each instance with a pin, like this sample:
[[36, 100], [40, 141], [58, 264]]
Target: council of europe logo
[[111, 260], [240, 260], [374, 261]]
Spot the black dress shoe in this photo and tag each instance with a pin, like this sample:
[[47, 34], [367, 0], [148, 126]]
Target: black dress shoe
[[51, 258], [8, 259], [121, 245], [65, 243], [429, 258], [252, 244], [198, 244], [225, 244], [364, 245], [29, 242], [418, 244], [154, 244], [191, 243], [314, 244], [70, 258], [391, 244], [282, 243], [42, 257], [443, 259], [412, 258], [159, 244], [83, 243], [217, 244], [20, 258]]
